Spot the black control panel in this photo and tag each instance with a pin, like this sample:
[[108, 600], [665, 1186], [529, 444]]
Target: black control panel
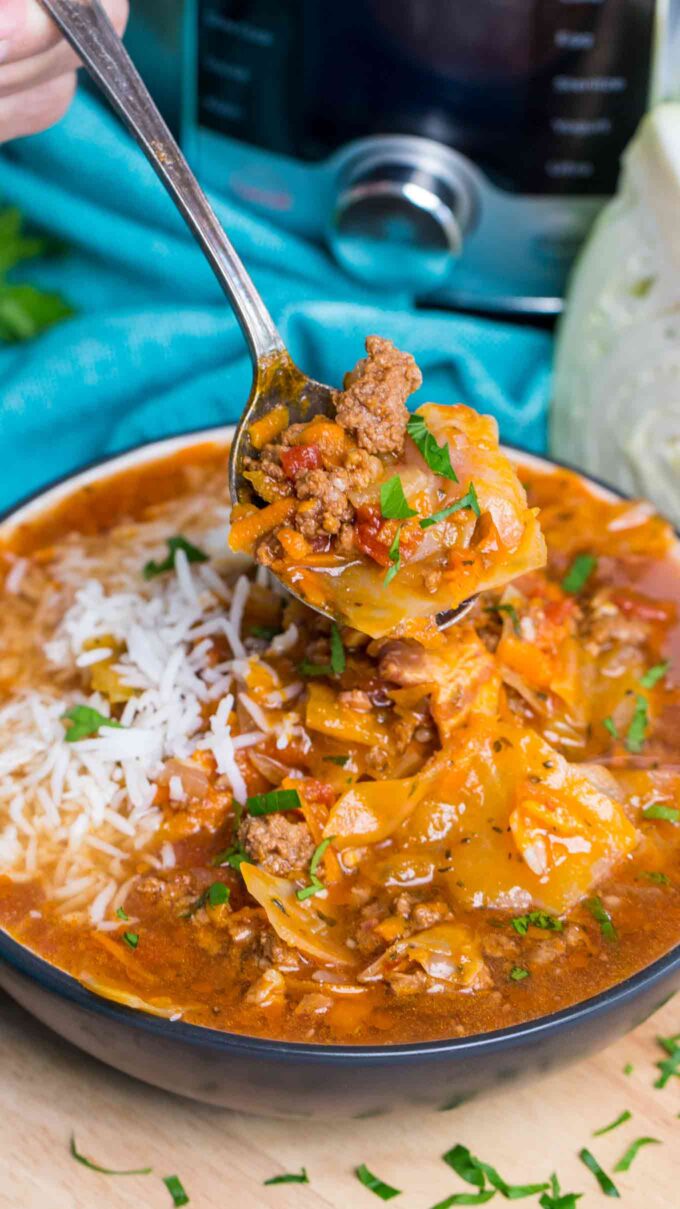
[[542, 95]]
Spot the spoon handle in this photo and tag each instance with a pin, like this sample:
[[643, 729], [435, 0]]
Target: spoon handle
[[86, 26]]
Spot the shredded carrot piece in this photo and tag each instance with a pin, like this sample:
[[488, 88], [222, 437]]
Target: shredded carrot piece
[[247, 529], [268, 427]]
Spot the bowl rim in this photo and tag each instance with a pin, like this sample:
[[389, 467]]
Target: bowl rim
[[52, 979]]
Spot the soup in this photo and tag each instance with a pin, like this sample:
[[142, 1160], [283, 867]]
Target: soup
[[220, 807]]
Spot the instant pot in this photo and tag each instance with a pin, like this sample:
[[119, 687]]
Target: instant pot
[[456, 148]]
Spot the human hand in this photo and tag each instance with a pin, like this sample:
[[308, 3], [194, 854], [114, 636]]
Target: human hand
[[37, 67]]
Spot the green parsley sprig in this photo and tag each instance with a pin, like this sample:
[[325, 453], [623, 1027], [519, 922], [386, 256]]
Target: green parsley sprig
[[469, 500], [378, 1186], [299, 1177], [395, 558], [579, 573], [393, 503], [627, 1158], [606, 1184], [273, 802], [194, 555], [315, 883], [601, 915], [536, 919], [437, 457], [85, 721], [475, 1172], [80, 1158]]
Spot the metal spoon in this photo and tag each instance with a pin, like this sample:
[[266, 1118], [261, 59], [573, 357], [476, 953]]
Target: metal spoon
[[276, 378]]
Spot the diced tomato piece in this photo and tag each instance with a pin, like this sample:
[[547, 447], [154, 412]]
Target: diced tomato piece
[[317, 791], [374, 536], [558, 611], [299, 458]]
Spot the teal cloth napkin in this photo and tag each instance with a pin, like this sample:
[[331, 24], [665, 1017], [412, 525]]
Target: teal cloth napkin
[[154, 348]]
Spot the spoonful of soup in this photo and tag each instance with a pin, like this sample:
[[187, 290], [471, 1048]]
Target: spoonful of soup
[[378, 519], [381, 518]]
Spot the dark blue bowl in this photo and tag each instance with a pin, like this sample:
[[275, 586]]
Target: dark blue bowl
[[287, 1079]]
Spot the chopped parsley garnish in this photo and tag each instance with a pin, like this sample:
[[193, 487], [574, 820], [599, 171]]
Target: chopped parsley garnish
[[213, 896], [338, 657], [85, 722], [307, 668], [315, 883], [519, 973], [654, 674], [628, 1068], [393, 503], [371, 1181], [556, 1199], [233, 857], [474, 1171], [627, 1158], [194, 555], [120, 914], [103, 1170], [536, 919], [608, 1186], [579, 573], [620, 1120], [511, 612], [610, 726], [395, 558], [651, 875], [637, 731], [131, 939], [657, 810], [274, 801], [465, 1165], [438, 457], [319, 853], [669, 1066], [310, 890], [466, 1198], [469, 500], [339, 760], [299, 1177], [218, 894], [600, 913], [174, 1187]]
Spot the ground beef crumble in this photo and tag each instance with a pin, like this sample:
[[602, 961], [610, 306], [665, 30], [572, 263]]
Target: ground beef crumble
[[372, 411], [277, 844], [373, 404]]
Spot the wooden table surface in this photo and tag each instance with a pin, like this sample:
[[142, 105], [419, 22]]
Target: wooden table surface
[[48, 1089]]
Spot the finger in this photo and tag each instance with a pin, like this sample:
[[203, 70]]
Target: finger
[[34, 32], [12, 21], [23, 74], [27, 112]]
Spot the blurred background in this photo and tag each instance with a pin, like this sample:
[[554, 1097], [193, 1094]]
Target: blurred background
[[426, 170]]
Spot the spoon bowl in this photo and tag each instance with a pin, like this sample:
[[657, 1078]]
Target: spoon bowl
[[277, 381]]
